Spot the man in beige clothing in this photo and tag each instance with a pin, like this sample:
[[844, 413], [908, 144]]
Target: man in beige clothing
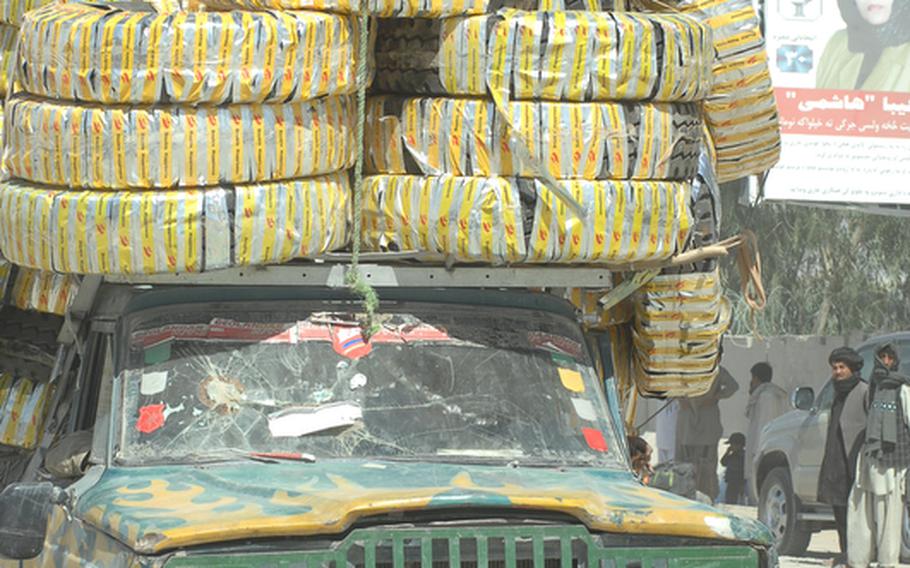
[[699, 431], [767, 401]]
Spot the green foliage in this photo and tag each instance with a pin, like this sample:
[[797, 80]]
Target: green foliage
[[825, 271]]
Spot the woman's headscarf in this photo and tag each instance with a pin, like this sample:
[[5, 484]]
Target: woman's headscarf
[[871, 41]]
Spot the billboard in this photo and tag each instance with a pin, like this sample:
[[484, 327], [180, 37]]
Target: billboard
[[841, 71]]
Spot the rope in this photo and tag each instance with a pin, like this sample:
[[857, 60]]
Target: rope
[[353, 278]]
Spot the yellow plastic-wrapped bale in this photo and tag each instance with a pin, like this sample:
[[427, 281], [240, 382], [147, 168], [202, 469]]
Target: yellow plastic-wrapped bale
[[560, 55], [510, 220], [8, 37], [742, 110], [88, 146], [99, 53], [12, 12], [416, 8], [90, 232], [467, 137], [23, 409], [43, 291], [679, 322]]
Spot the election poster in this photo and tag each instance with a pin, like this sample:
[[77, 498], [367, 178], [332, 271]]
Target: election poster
[[841, 71]]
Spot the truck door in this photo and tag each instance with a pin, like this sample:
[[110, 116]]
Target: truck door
[[810, 448]]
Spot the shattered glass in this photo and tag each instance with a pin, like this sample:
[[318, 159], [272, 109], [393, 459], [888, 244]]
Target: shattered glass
[[438, 382]]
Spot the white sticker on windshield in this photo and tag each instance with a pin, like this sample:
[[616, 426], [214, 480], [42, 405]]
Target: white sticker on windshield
[[303, 420], [153, 383], [584, 409], [359, 380]]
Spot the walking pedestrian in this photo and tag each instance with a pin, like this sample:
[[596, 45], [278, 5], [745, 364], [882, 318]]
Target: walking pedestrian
[[699, 431], [734, 462], [767, 401], [876, 506], [843, 441]]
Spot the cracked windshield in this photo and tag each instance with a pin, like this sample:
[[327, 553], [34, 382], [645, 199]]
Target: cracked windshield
[[434, 382]]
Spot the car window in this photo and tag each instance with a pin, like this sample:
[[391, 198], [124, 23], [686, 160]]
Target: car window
[[825, 397]]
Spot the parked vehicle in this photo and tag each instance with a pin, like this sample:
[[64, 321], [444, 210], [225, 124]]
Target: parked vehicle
[[789, 457], [249, 423]]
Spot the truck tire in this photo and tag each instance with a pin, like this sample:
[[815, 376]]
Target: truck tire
[[460, 56], [223, 57], [173, 231], [467, 137], [778, 509], [163, 147]]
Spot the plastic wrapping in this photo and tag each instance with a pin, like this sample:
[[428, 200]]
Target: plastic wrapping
[[416, 8], [300, 218], [678, 327], [8, 37], [742, 110], [91, 232], [509, 220], [92, 52], [43, 291], [87, 146], [563, 55], [12, 12], [466, 137], [23, 409]]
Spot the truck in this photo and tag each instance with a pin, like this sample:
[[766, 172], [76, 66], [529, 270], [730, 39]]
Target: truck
[[265, 417], [789, 458]]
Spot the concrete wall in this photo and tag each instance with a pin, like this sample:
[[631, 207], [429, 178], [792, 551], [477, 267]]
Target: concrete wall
[[797, 361]]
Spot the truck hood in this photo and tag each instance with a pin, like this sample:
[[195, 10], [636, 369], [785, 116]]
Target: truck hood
[[153, 509]]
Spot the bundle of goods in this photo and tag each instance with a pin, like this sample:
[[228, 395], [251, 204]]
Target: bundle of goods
[[149, 142], [577, 143], [742, 110], [23, 408], [678, 325], [43, 291]]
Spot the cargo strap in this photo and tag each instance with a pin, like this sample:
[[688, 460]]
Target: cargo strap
[[354, 279]]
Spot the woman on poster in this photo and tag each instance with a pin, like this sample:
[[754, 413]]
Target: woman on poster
[[873, 52]]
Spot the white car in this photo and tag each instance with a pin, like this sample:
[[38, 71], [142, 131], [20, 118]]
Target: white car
[[789, 457]]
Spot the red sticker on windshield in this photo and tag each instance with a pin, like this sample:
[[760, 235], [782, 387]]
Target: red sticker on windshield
[[595, 439], [349, 342], [151, 418]]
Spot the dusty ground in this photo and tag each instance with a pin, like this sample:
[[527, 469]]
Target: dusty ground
[[822, 549]]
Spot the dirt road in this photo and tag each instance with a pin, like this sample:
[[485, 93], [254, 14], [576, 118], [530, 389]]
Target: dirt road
[[822, 548]]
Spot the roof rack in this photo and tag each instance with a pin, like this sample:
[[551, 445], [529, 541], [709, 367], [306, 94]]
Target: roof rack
[[384, 276]]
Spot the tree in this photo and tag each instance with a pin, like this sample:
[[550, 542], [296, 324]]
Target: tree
[[825, 271]]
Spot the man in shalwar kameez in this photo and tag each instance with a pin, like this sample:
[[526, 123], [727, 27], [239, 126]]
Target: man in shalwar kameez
[[876, 506]]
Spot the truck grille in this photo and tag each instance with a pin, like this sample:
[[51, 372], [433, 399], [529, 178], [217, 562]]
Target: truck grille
[[483, 547]]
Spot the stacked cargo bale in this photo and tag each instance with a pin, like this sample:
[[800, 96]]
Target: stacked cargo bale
[[542, 136], [149, 142], [742, 110]]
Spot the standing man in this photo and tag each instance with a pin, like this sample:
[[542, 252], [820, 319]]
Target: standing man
[[767, 401], [842, 444], [699, 431], [876, 505]]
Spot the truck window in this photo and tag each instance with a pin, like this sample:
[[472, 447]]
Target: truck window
[[825, 398], [436, 382]]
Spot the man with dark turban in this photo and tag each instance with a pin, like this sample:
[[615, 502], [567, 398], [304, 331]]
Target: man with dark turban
[[842, 444], [871, 54], [876, 505]]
